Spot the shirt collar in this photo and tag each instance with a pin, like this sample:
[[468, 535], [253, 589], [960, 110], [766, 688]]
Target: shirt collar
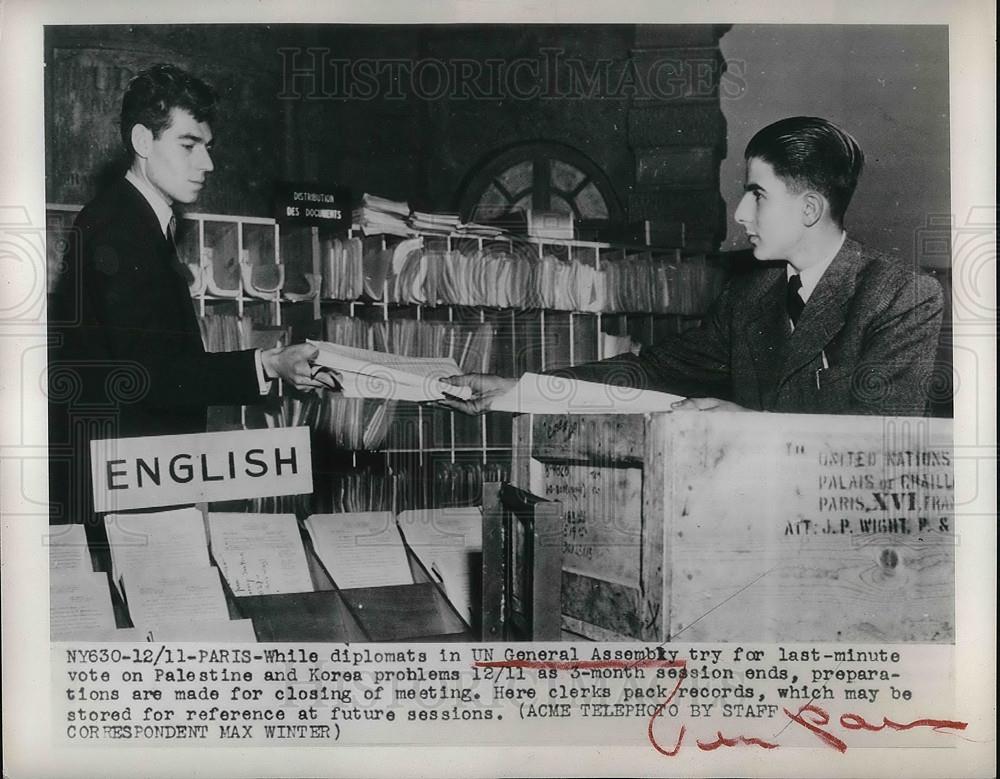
[[810, 276], [164, 213]]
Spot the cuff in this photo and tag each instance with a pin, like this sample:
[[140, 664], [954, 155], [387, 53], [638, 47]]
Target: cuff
[[263, 380]]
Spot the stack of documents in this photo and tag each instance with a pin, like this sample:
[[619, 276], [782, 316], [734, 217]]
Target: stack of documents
[[259, 554], [343, 275], [160, 562], [365, 373], [378, 215], [360, 550], [444, 224], [79, 599], [449, 543], [540, 394]]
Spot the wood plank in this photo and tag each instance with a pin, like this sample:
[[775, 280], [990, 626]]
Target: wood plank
[[609, 606], [546, 568], [807, 528], [654, 561], [601, 522], [494, 564], [590, 438]]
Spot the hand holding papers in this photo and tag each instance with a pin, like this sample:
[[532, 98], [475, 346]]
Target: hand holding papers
[[292, 365], [484, 390], [365, 373], [535, 393]]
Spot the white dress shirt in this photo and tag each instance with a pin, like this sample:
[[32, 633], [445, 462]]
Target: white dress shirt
[[810, 276]]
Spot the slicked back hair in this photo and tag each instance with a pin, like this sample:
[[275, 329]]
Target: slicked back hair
[[807, 152]]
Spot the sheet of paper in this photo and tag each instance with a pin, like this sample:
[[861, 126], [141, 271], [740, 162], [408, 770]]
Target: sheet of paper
[[259, 554], [79, 606], [68, 550], [386, 375], [538, 394], [121, 635], [360, 549], [192, 594], [162, 540], [229, 630], [449, 542]]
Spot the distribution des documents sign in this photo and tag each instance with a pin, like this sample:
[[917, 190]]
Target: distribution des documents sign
[[154, 471]]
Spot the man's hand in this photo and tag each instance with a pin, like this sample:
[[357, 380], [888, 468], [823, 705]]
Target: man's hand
[[292, 365], [706, 404], [485, 387]]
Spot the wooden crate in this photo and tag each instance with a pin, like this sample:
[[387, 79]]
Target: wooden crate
[[750, 527]]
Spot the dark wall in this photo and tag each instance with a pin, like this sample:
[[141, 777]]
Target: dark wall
[[409, 112], [87, 69], [887, 85]]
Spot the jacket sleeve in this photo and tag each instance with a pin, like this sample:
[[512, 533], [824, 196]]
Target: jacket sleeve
[[145, 337], [896, 371], [695, 363]]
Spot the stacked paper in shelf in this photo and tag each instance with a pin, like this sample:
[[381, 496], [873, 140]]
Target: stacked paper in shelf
[[79, 605], [376, 260], [343, 271], [68, 550], [375, 489], [409, 280], [160, 562], [512, 274], [225, 332], [444, 224], [365, 373], [259, 554], [79, 599], [360, 550], [449, 543], [539, 394], [378, 215]]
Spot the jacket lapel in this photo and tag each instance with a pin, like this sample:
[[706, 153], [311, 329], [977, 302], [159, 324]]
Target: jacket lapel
[[767, 331], [823, 316], [163, 265]]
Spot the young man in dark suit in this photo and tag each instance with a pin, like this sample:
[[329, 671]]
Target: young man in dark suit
[[127, 357], [824, 325]]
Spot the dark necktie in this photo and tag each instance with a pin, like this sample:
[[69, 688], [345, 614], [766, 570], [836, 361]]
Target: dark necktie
[[172, 235], [179, 266], [793, 301]]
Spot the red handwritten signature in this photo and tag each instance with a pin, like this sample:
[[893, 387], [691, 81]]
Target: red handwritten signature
[[813, 718]]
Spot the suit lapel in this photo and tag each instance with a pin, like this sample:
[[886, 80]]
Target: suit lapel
[[164, 263], [823, 316], [767, 331]]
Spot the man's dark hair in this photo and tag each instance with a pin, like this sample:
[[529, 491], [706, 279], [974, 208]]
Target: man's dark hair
[[154, 93], [811, 153]]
